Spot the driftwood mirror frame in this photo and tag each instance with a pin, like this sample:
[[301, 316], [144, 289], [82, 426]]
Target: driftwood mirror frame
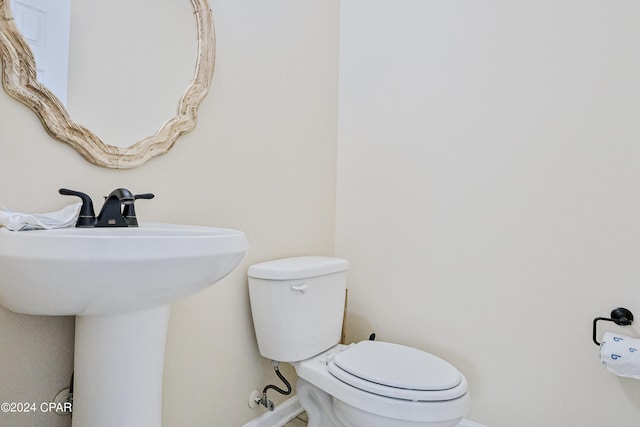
[[19, 81]]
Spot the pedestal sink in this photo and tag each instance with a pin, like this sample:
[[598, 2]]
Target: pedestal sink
[[118, 282]]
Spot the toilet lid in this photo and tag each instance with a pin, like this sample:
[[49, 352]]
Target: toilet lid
[[398, 371]]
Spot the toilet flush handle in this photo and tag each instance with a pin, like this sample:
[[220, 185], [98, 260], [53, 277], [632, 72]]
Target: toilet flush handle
[[302, 287]]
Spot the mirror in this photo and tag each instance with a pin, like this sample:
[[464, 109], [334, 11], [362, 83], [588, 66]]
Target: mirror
[[19, 79]]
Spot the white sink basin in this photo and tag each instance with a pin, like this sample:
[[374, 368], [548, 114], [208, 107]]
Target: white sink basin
[[119, 283], [89, 271]]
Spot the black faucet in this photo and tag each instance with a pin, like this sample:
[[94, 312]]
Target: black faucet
[[111, 213], [118, 209]]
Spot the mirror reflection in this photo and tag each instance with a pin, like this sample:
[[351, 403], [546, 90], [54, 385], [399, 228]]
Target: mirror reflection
[[45, 25], [128, 62]]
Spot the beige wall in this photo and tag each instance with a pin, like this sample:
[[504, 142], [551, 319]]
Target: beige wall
[[486, 198], [488, 194], [261, 160]]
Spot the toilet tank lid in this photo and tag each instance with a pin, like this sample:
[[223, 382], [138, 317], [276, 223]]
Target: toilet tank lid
[[298, 267]]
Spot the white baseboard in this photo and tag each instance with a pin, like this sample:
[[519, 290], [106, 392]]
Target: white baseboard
[[283, 413]]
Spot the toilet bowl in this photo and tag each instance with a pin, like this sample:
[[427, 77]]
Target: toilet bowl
[[379, 384], [297, 307]]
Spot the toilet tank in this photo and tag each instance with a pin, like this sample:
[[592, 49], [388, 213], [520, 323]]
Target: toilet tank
[[297, 305]]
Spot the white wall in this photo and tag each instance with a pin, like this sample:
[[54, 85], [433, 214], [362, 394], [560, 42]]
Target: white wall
[[262, 160], [488, 196]]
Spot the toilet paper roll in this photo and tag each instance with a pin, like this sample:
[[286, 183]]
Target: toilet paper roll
[[620, 354]]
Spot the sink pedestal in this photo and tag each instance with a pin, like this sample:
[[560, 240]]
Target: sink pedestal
[[118, 369]]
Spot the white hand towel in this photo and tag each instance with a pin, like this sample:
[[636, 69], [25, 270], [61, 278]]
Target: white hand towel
[[15, 221], [620, 354]]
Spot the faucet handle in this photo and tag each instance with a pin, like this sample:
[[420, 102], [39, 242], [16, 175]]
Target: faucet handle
[[144, 196], [129, 210], [87, 216]]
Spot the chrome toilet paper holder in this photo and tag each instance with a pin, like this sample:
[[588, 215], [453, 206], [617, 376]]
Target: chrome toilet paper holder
[[620, 316]]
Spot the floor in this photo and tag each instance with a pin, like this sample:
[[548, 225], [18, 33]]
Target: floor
[[299, 421]]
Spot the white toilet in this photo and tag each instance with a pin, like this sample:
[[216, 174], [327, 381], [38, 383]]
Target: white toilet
[[297, 306]]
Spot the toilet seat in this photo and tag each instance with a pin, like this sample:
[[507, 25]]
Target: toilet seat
[[398, 372], [315, 371]]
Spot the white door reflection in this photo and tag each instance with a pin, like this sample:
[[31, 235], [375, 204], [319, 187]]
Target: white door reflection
[[45, 26]]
